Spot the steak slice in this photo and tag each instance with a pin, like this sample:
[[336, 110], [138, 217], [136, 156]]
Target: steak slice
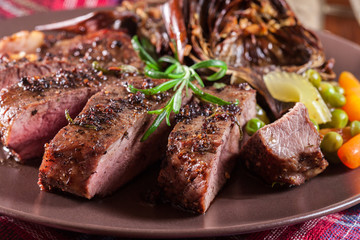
[[108, 48], [33, 111], [286, 151], [102, 151], [203, 146], [12, 71]]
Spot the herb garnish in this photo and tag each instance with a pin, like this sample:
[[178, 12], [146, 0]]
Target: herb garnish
[[181, 77], [71, 121]]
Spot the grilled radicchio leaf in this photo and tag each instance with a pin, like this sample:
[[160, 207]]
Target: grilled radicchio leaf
[[252, 36]]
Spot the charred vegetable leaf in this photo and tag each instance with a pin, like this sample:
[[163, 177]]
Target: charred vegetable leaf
[[180, 77]]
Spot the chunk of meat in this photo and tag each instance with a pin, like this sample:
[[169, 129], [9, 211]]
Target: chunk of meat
[[33, 111], [203, 147], [102, 150], [12, 71], [33, 108], [286, 151], [108, 48]]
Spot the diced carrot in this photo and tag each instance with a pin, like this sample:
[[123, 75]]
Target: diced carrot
[[351, 85], [352, 107], [348, 81], [349, 152]]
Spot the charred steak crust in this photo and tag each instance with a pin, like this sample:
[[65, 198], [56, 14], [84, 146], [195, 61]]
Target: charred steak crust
[[11, 72], [202, 148], [33, 108], [33, 111], [109, 48], [286, 151], [102, 150]]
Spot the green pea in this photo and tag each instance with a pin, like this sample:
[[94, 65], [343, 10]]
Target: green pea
[[315, 124], [253, 125], [339, 119], [339, 90], [261, 114], [326, 90], [314, 77], [331, 142], [355, 128], [337, 100]]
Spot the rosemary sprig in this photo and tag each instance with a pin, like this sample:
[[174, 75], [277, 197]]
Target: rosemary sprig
[[181, 77], [71, 121]]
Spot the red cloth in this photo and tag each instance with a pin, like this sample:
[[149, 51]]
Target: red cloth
[[344, 225], [18, 8]]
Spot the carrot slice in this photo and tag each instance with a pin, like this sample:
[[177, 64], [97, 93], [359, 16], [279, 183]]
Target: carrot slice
[[352, 107], [348, 81], [351, 85], [349, 152]]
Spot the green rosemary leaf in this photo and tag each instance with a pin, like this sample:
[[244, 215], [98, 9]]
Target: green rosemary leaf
[[212, 63], [171, 68], [168, 59], [219, 85], [152, 66], [177, 102], [158, 111], [207, 97], [68, 117], [197, 77], [168, 117], [148, 47], [142, 53], [160, 88], [154, 125], [159, 75], [71, 121], [96, 65], [180, 78]]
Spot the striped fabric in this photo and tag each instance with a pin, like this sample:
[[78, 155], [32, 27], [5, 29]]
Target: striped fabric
[[342, 225], [18, 8]]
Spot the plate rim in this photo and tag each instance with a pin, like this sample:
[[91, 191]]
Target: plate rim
[[165, 233]]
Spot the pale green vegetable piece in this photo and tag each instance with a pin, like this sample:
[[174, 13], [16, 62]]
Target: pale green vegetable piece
[[292, 87]]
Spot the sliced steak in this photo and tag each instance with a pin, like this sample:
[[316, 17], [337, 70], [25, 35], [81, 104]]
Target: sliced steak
[[24, 132], [108, 48], [202, 148], [102, 151], [12, 71], [33, 111], [286, 151]]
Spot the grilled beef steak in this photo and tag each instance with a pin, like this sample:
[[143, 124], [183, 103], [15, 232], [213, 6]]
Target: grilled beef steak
[[101, 150], [33, 109], [202, 148], [286, 151], [108, 48], [12, 71]]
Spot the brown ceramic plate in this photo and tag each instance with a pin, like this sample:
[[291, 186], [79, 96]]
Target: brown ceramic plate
[[244, 205]]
